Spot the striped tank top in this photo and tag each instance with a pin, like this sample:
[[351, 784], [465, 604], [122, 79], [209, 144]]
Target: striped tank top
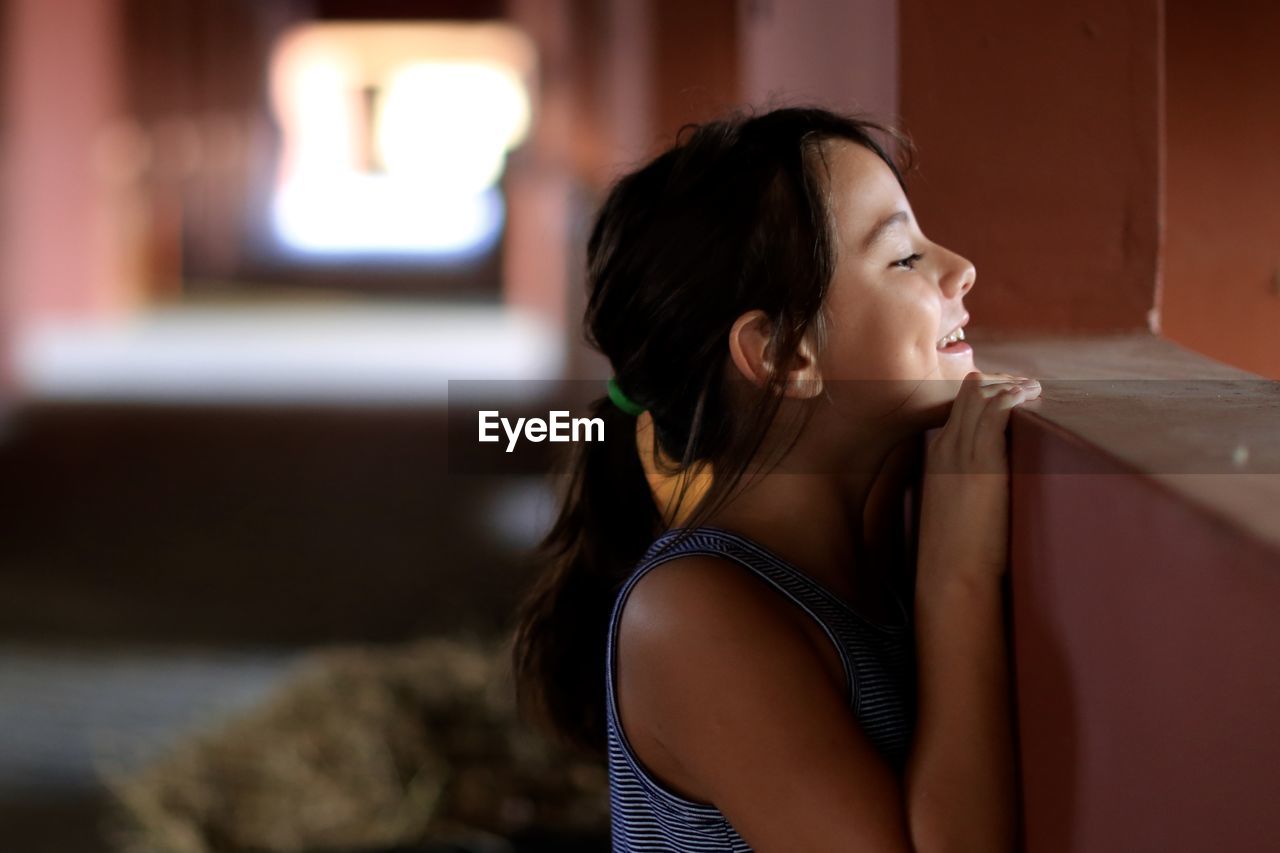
[[879, 667]]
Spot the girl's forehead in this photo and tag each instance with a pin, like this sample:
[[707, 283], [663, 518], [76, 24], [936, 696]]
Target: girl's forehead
[[863, 191]]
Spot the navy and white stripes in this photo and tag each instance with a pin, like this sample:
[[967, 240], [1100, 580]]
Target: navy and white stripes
[[646, 817]]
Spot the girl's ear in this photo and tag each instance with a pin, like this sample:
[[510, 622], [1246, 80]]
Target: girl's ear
[[750, 346]]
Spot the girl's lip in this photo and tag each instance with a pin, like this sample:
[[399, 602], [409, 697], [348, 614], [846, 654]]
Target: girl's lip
[[964, 321], [958, 348]]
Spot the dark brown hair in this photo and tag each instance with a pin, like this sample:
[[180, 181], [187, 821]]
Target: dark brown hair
[[734, 217]]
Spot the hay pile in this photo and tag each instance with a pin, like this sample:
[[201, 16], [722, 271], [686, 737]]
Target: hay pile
[[367, 748]]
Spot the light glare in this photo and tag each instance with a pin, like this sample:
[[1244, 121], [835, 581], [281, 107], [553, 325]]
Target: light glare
[[450, 125]]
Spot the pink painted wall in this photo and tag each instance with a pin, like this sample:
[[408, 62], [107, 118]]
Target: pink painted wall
[[1144, 629], [843, 55], [536, 250], [1038, 126], [1145, 640], [1221, 289], [61, 254], [694, 61]]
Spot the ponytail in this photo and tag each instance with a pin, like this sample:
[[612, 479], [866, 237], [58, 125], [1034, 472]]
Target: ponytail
[[607, 520]]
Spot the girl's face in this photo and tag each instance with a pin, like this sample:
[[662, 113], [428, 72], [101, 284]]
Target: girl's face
[[895, 294]]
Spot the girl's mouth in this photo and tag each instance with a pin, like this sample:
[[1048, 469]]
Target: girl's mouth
[[953, 344]]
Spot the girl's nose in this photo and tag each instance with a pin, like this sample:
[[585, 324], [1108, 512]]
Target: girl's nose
[[959, 277]]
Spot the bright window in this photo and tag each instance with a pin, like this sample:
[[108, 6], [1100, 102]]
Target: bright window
[[396, 136]]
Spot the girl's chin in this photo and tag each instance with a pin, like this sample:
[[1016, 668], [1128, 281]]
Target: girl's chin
[[955, 366]]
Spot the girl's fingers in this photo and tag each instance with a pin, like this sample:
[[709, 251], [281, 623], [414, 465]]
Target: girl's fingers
[[982, 422], [970, 418], [979, 416], [990, 437], [967, 403], [989, 433]]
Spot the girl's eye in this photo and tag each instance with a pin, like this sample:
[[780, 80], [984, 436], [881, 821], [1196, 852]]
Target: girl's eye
[[909, 262]]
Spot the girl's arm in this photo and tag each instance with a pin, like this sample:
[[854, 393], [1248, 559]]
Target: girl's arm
[[960, 777], [960, 790], [723, 682]]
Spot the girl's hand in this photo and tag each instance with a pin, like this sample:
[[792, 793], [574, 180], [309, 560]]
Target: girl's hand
[[964, 511]]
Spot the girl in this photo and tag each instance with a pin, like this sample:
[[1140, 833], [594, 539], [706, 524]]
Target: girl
[[722, 609]]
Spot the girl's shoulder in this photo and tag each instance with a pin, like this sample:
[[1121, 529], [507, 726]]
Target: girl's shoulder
[[686, 593], [699, 637], [698, 599], [697, 616], [692, 591]]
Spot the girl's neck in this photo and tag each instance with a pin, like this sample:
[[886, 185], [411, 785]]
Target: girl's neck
[[831, 527]]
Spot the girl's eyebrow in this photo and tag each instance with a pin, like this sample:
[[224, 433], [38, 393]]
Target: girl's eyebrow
[[883, 226]]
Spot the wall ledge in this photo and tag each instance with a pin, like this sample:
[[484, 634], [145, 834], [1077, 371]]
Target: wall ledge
[[1205, 431]]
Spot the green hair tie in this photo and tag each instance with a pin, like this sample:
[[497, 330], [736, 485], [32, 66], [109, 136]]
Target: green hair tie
[[621, 400]]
